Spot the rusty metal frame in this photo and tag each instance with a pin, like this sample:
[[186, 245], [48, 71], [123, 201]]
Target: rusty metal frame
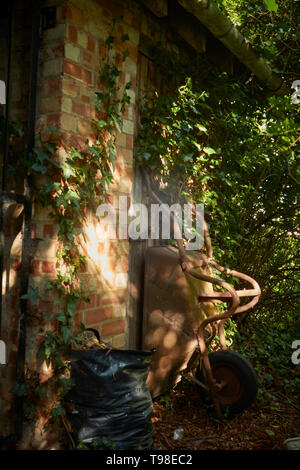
[[232, 296]]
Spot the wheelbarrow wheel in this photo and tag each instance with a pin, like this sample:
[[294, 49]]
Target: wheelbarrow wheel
[[238, 378]]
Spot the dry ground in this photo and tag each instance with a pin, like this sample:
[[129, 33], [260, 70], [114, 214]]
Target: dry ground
[[261, 427]]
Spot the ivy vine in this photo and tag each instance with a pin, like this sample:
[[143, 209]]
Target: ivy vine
[[71, 187]]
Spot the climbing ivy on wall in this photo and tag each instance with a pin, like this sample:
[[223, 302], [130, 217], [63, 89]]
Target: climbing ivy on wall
[[71, 187]]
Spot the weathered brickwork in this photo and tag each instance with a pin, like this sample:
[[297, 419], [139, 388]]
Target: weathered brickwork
[[68, 77]]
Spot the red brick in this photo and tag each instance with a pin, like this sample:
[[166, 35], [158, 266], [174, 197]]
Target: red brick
[[33, 230], [81, 305], [87, 76], [72, 69], [72, 33], [66, 12], [133, 51], [129, 142], [122, 78], [112, 246], [53, 86], [92, 302], [48, 230], [125, 264], [85, 98], [111, 264], [125, 114], [84, 128], [101, 247], [113, 328], [78, 17], [91, 44], [45, 306], [119, 60], [53, 120], [35, 266], [78, 318], [81, 108], [99, 314], [128, 173], [133, 82], [118, 298], [47, 267], [51, 104], [102, 51], [77, 141], [87, 57]]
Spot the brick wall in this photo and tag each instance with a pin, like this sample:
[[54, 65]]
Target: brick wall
[[69, 77], [67, 80]]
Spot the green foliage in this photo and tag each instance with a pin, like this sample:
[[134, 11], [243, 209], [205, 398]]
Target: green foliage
[[215, 141], [19, 389], [268, 346], [271, 5], [272, 27], [57, 411], [166, 401], [221, 141], [32, 295], [98, 444]]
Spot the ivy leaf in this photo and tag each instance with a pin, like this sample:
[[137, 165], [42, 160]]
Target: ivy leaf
[[67, 171], [201, 128], [32, 295], [209, 150], [125, 55], [61, 318], [57, 410], [41, 391], [110, 40], [188, 157], [19, 389], [67, 334], [271, 5]]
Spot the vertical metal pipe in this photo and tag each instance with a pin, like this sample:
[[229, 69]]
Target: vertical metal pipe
[[6, 144], [8, 93], [26, 229]]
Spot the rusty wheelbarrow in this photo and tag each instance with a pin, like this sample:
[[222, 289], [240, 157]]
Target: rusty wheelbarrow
[[180, 320]]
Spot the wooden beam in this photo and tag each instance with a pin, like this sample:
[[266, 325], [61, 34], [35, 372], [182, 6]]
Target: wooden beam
[[157, 7], [188, 28]]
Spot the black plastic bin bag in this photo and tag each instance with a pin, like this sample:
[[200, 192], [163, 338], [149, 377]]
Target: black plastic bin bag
[[110, 398]]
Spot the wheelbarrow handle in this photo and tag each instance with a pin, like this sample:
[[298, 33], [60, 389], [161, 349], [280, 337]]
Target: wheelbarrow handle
[[233, 295]]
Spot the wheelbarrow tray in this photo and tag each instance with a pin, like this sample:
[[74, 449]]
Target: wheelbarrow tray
[[172, 314]]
